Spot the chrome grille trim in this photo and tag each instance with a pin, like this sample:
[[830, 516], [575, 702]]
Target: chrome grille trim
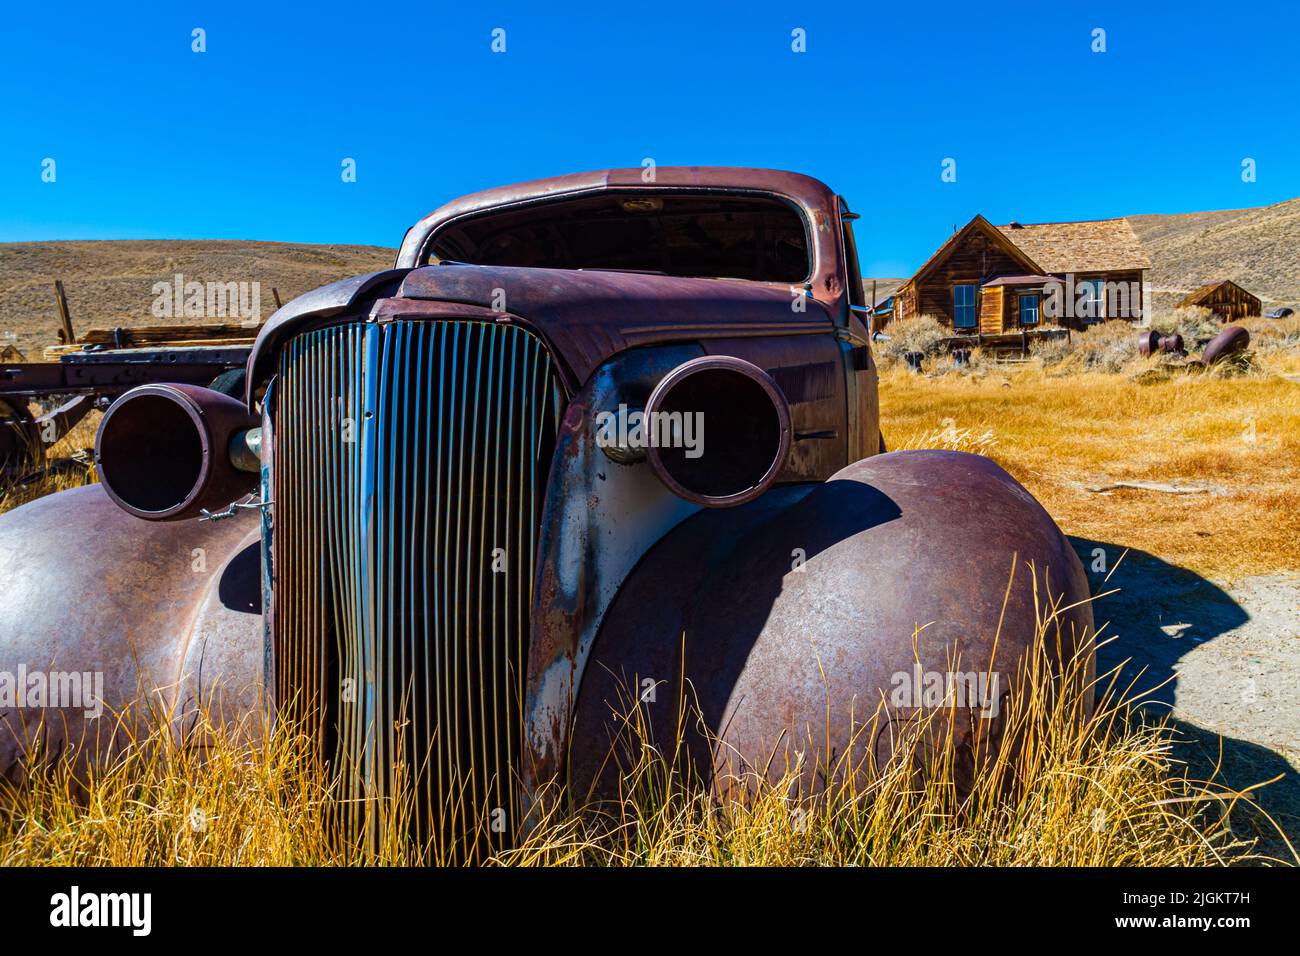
[[409, 470]]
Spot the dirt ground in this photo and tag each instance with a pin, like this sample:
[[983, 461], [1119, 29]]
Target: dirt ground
[[1222, 662], [1229, 658]]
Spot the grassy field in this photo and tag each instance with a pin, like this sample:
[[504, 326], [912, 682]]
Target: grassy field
[[1066, 786], [1112, 790], [1062, 435]]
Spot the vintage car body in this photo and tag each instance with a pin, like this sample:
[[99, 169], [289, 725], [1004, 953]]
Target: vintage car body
[[457, 562]]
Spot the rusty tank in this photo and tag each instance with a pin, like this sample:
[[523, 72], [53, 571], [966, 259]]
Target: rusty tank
[[590, 436]]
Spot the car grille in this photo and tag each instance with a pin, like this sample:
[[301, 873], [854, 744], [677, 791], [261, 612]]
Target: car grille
[[410, 464]]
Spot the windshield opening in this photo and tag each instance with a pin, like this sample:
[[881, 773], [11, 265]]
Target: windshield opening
[[736, 237]]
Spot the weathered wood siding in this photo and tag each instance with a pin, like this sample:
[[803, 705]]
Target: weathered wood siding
[[976, 261], [905, 303], [1125, 302], [991, 309], [1231, 302]]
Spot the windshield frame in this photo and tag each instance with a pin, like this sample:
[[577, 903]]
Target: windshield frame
[[810, 244]]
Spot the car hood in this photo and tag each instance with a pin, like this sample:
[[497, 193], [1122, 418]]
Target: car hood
[[584, 316]]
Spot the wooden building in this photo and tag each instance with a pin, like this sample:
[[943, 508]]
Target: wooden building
[[996, 279], [1227, 300]]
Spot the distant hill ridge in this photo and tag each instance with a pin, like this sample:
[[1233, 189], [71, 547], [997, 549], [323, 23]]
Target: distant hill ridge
[[1258, 248], [109, 282]]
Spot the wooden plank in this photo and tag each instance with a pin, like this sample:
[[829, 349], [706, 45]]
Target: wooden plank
[[990, 310], [65, 317], [161, 334], [52, 352]]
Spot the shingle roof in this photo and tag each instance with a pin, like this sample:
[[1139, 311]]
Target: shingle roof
[[979, 223], [1101, 245]]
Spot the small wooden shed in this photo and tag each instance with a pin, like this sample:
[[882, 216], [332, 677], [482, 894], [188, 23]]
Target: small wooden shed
[[10, 353], [1227, 300]]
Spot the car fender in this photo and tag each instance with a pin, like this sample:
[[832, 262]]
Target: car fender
[[154, 618], [787, 622]]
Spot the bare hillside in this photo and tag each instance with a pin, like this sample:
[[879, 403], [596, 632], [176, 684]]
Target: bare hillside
[[1257, 248], [884, 288], [109, 283]]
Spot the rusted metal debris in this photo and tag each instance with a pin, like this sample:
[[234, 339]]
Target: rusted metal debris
[[1151, 342], [88, 379], [1232, 339]]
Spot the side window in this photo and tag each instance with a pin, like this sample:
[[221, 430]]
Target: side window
[[857, 294], [963, 306], [1029, 310]]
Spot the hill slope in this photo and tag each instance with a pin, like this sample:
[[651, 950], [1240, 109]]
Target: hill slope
[[1257, 248], [109, 283]]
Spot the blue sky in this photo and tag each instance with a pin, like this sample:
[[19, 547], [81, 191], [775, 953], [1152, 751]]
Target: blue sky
[[246, 140]]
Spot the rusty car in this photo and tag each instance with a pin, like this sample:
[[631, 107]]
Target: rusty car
[[453, 510]]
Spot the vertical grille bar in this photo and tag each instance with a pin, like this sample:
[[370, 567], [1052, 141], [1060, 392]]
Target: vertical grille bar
[[409, 463]]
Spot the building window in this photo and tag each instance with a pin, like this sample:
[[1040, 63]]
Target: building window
[[963, 306], [1029, 310], [1091, 297]]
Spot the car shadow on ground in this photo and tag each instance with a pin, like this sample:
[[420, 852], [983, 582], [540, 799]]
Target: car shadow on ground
[[1160, 613]]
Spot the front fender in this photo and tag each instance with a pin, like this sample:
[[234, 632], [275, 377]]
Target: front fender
[[100, 611], [788, 621]]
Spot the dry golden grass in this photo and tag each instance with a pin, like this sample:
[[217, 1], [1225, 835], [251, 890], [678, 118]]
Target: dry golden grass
[[1060, 435], [80, 441], [1067, 784], [1106, 790]]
